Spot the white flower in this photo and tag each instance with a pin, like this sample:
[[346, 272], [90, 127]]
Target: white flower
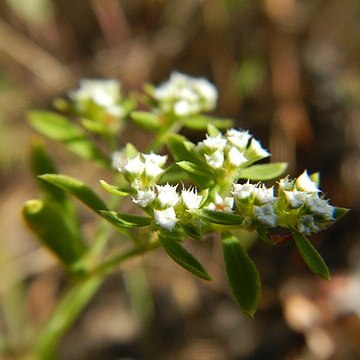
[[264, 195], [105, 93], [286, 184], [166, 218], [307, 225], [236, 158], [216, 159], [116, 110], [144, 197], [320, 206], [134, 166], [265, 214], [239, 139], [191, 199], [167, 195], [295, 198], [243, 191], [185, 95], [222, 204], [155, 159], [304, 183], [214, 143], [256, 151]]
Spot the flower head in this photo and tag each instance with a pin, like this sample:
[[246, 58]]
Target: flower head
[[236, 157], [191, 199], [265, 214], [238, 138], [144, 197], [167, 195], [243, 191], [221, 203], [166, 218], [304, 183], [216, 159]]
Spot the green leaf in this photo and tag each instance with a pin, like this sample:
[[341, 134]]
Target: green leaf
[[112, 189], [181, 148], [146, 120], [78, 189], [242, 275], [311, 256], [191, 230], [47, 221], [219, 217], [263, 235], [131, 151], [96, 127], [182, 257], [212, 130], [194, 169], [174, 175], [125, 220], [339, 212], [263, 172], [59, 128], [201, 122]]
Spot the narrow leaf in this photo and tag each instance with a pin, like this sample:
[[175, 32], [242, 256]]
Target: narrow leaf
[[125, 220], [201, 122], [146, 120], [193, 168], [78, 189], [219, 217], [182, 257], [339, 212], [263, 171], [242, 275], [173, 175], [47, 222], [112, 189], [59, 128], [181, 148], [311, 256]]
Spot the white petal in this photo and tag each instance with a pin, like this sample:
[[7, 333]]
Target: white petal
[[304, 183], [166, 218]]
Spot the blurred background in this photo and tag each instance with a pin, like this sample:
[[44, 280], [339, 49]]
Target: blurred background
[[287, 70]]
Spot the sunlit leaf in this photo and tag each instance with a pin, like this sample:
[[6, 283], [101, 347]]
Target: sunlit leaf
[[263, 171], [182, 257], [125, 220], [78, 189], [242, 275], [146, 120], [193, 168], [112, 189], [311, 256], [219, 217], [57, 127], [201, 122]]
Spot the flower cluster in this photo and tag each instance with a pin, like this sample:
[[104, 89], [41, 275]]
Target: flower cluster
[[104, 94], [184, 95], [234, 150]]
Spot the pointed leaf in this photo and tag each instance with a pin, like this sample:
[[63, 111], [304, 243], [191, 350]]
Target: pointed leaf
[[59, 128], [194, 169], [242, 275], [219, 217], [311, 256], [125, 220], [182, 257], [112, 189], [201, 122], [146, 120], [212, 130], [263, 171], [181, 148], [192, 230], [47, 222], [339, 212], [174, 175], [78, 189]]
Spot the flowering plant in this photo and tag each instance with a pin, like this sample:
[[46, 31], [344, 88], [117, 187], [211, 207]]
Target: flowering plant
[[185, 192]]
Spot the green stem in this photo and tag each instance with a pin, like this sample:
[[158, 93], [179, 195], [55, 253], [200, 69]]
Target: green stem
[[161, 137]]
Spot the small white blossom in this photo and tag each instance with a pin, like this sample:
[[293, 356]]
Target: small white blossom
[[167, 195], [134, 166], [236, 158], [265, 214], [152, 170], [304, 183], [214, 142], [185, 95], [255, 150], [105, 93], [144, 197], [295, 198], [191, 199], [216, 159], [320, 206], [243, 191], [155, 159], [222, 204], [264, 195], [239, 139], [286, 184], [166, 218], [307, 225]]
